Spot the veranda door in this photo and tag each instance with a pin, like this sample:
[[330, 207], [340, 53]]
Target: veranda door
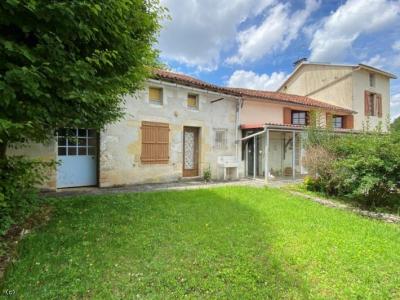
[[190, 151]]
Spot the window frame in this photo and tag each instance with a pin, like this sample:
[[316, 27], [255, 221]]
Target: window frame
[[334, 122], [159, 102], [295, 112], [372, 79], [196, 107], [223, 144], [372, 105]]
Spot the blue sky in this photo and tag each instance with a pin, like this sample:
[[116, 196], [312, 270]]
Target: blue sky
[[253, 43]]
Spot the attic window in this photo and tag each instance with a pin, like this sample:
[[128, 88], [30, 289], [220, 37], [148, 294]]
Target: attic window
[[371, 80], [193, 101], [155, 95]]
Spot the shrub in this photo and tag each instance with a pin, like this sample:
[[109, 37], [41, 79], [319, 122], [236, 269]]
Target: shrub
[[364, 167], [19, 178], [207, 175]]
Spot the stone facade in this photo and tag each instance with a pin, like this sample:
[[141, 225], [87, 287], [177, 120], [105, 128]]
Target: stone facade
[[120, 143]]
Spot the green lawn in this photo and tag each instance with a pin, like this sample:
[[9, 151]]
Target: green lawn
[[232, 243]]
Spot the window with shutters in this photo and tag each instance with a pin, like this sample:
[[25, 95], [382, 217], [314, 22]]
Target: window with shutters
[[373, 104], [221, 138], [337, 121], [155, 143], [299, 117], [156, 95], [193, 101]]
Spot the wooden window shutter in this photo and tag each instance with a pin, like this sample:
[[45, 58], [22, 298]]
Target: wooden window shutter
[[155, 94], [379, 104], [287, 115], [366, 103], [155, 143], [348, 122], [329, 120]]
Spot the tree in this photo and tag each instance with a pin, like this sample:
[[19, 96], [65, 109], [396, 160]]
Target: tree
[[396, 124], [67, 63]]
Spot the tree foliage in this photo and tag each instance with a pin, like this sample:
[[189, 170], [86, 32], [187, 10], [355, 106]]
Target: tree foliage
[[396, 124], [67, 63]]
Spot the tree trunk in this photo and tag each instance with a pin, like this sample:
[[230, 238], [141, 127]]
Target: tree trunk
[[3, 149]]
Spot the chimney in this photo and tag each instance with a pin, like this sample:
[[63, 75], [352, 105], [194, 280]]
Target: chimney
[[299, 61]]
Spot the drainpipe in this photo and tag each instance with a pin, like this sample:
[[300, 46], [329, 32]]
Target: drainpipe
[[237, 124]]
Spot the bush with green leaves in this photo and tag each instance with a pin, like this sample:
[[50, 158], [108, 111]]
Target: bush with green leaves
[[18, 188], [361, 166]]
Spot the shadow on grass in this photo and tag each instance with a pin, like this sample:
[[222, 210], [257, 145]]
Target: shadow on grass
[[203, 243]]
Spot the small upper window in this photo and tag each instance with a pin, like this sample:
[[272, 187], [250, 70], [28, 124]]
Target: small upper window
[[338, 122], [193, 101], [299, 117], [371, 79], [155, 95]]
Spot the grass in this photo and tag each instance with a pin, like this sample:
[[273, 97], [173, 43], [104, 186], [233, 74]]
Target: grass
[[230, 243], [391, 206]]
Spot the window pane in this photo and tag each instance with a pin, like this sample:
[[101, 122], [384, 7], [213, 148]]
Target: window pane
[[91, 151], [72, 141], [91, 142], [82, 142], [62, 141], [92, 133], [82, 151], [71, 151], [81, 132], [62, 151], [299, 118], [155, 94], [71, 132], [192, 101]]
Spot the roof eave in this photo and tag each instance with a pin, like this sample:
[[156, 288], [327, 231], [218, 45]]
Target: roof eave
[[279, 101]]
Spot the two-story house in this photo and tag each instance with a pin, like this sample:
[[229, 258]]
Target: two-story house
[[361, 88]]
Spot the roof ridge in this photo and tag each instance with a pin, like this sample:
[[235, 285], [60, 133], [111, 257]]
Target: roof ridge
[[244, 92]]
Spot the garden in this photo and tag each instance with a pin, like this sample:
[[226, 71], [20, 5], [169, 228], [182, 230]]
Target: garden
[[232, 242]]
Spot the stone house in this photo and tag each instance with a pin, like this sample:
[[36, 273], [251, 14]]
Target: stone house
[[178, 127]]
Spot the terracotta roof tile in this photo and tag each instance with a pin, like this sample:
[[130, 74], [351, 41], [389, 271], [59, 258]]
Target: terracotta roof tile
[[247, 93], [290, 99]]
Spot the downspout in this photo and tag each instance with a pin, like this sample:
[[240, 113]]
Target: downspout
[[237, 124]]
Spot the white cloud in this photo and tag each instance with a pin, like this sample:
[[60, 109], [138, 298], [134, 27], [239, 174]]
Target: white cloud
[[376, 61], [395, 106], [396, 58], [396, 46], [275, 33], [347, 23], [201, 29], [251, 80]]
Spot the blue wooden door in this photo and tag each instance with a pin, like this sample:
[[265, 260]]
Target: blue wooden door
[[77, 157]]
